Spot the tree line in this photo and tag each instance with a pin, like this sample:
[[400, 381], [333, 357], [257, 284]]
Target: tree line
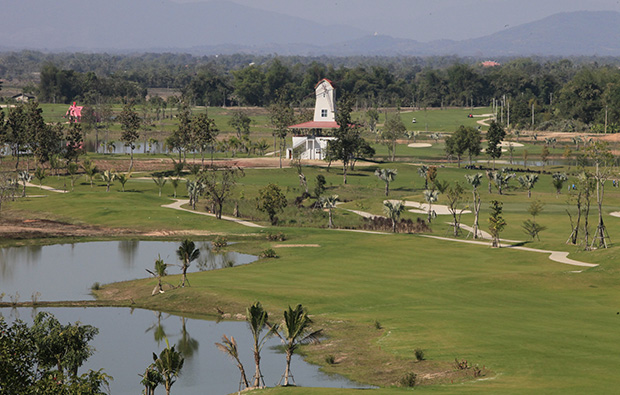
[[542, 93]]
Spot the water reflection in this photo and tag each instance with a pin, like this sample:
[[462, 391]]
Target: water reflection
[[67, 271], [124, 349]]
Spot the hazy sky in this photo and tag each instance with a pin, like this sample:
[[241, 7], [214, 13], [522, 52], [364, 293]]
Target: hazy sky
[[426, 20]]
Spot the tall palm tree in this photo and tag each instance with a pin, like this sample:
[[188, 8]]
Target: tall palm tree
[[431, 197], [257, 321], [393, 210], [423, 172], [295, 330], [387, 176], [90, 169], [329, 202], [475, 180], [187, 253], [169, 364], [229, 347]]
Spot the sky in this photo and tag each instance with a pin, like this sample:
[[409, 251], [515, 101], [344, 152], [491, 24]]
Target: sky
[[427, 20]]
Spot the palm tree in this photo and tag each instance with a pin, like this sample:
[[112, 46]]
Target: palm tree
[[151, 379], [123, 178], [160, 181], [159, 272], [431, 196], [187, 253], [169, 364], [423, 172], [90, 169], [558, 182], [257, 321], [475, 180], [387, 176], [295, 331], [39, 174], [329, 202], [108, 176], [229, 347], [393, 210], [175, 184], [528, 181]]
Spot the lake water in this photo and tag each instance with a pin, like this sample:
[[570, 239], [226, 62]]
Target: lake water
[[67, 271], [127, 338]]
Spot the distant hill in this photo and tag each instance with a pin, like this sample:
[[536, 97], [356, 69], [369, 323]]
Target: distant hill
[[224, 27]]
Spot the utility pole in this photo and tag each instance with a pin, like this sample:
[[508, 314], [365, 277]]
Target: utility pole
[[605, 119]]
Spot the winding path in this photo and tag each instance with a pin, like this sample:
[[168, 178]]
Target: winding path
[[176, 205], [45, 187]]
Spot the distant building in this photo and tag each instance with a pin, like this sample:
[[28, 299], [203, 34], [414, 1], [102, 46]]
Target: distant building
[[490, 63], [23, 97], [312, 144], [74, 113]]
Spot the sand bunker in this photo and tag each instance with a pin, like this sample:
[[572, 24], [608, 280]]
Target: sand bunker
[[509, 143], [422, 208], [420, 145]]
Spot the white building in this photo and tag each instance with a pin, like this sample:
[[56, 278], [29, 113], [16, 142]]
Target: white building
[[312, 144]]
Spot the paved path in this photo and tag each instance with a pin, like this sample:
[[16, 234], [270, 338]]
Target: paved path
[[557, 256], [176, 205], [45, 187]]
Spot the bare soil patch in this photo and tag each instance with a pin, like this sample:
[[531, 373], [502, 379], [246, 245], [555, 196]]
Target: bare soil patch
[[22, 229]]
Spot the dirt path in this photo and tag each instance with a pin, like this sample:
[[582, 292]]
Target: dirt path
[[176, 205]]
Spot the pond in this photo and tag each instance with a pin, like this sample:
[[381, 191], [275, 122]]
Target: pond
[[127, 338], [67, 271]]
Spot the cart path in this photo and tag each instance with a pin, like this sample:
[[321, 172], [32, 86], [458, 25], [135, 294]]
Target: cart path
[[45, 187], [176, 205], [556, 256]]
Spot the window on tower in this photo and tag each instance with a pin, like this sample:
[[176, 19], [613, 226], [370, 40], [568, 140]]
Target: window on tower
[[323, 113]]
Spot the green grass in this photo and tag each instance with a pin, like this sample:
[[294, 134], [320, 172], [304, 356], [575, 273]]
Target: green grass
[[536, 326]]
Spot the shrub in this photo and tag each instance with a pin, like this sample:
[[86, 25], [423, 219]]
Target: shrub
[[419, 354], [268, 253], [461, 365], [330, 359], [378, 325], [220, 242], [408, 380], [96, 286], [276, 236]]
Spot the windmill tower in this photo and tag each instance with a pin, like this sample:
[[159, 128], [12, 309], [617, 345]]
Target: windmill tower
[[325, 107]]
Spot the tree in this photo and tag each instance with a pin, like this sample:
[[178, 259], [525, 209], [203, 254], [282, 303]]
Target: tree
[[495, 136], [72, 169], [497, 223], [423, 172], [394, 129], [347, 135], [229, 347], [8, 188], [159, 271], [558, 180], [204, 133], [319, 188], [329, 203], [169, 364], [270, 201], [90, 169], [501, 179], [39, 174], [530, 226], [281, 116], [387, 176], [107, 177], [218, 184], [240, 121], [431, 197], [194, 190], [151, 379], [187, 253], [544, 155], [25, 178], [528, 181], [393, 210], [295, 331], [602, 157], [475, 180], [160, 181], [123, 178], [257, 318], [130, 124], [454, 195]]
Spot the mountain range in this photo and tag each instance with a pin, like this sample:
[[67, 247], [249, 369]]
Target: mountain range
[[224, 27]]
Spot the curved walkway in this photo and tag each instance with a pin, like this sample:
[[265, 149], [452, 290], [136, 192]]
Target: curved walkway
[[176, 205], [45, 187], [557, 256]]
